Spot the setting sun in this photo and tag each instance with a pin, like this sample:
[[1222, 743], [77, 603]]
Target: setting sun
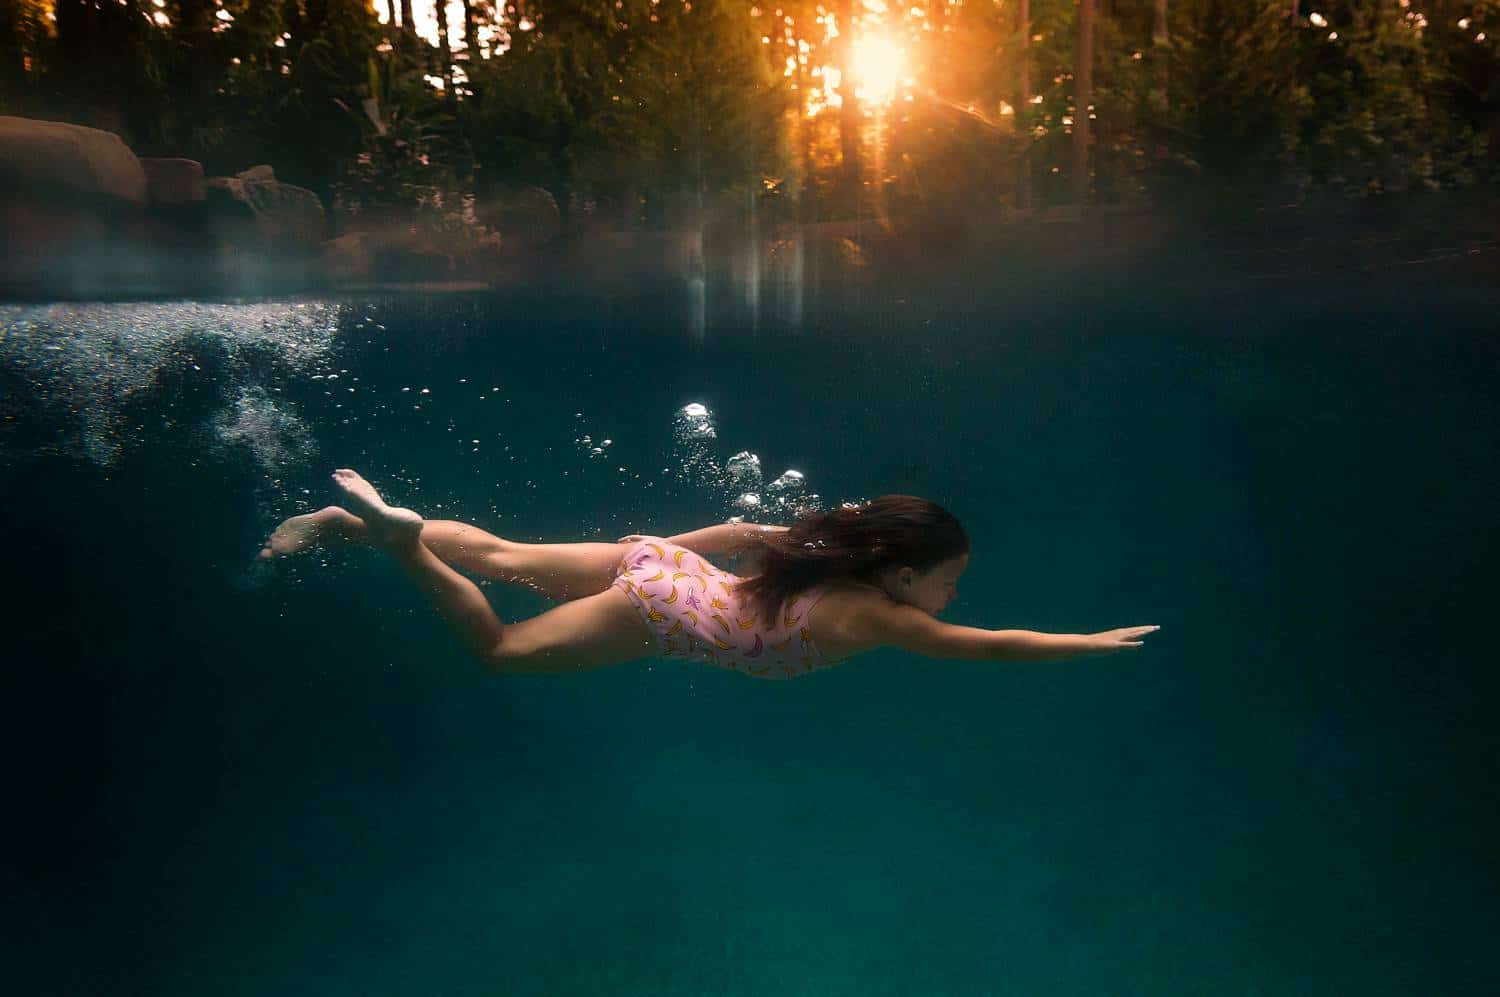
[[878, 65]]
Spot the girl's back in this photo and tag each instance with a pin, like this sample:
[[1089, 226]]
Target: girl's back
[[695, 612]]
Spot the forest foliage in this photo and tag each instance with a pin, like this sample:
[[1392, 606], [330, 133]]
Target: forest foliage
[[640, 110]]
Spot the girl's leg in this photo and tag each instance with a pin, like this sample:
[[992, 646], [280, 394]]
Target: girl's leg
[[558, 571], [601, 629], [465, 547]]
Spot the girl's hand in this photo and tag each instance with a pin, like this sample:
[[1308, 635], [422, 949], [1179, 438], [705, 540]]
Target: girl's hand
[[1110, 641], [630, 539]]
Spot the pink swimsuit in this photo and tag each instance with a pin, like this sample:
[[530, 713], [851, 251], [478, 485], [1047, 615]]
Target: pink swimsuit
[[691, 607]]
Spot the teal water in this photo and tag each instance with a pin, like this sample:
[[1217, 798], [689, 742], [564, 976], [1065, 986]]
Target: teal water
[[246, 781]]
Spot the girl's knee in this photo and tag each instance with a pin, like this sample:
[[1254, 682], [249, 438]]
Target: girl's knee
[[486, 543], [498, 661], [498, 564], [512, 654]]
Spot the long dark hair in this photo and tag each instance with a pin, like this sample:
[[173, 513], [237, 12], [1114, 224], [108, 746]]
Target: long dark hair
[[854, 543]]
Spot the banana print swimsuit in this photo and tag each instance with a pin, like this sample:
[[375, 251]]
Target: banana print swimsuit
[[691, 607]]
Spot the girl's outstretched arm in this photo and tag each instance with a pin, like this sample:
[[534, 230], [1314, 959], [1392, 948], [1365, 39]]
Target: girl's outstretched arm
[[906, 627]]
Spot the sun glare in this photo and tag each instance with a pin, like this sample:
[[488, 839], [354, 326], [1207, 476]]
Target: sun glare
[[878, 65]]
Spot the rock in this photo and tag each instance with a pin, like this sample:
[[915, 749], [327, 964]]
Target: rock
[[410, 262], [264, 214], [347, 257], [174, 181], [42, 247], [68, 161], [259, 174], [72, 210], [524, 216]]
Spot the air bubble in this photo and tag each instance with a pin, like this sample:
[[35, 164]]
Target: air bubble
[[744, 468]]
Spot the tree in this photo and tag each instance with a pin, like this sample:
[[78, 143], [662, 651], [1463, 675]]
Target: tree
[[849, 162], [694, 111], [23, 39], [471, 31], [445, 53], [1233, 104], [1160, 39], [1021, 103], [1083, 99]]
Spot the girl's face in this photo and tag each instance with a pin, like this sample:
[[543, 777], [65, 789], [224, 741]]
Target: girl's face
[[930, 591]]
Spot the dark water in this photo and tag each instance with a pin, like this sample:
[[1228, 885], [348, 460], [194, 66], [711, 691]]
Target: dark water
[[244, 782]]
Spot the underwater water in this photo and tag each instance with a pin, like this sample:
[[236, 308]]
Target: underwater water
[[246, 779]]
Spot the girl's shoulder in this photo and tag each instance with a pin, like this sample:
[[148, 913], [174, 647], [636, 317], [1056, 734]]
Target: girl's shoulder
[[833, 619]]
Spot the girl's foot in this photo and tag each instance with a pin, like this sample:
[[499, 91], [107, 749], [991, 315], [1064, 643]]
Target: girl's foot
[[388, 526], [301, 532]]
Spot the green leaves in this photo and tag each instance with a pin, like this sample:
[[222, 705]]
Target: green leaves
[[641, 102]]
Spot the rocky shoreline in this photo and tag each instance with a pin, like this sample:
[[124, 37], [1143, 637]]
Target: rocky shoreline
[[81, 216]]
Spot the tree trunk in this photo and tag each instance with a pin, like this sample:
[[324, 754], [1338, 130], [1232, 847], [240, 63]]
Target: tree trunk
[[807, 190], [195, 32], [408, 23], [1159, 40], [1083, 95], [937, 13], [849, 170], [471, 32], [1023, 101], [444, 52], [390, 10], [802, 268]]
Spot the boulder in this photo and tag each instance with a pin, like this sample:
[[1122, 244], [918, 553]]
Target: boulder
[[72, 207], [412, 261], [43, 246], [524, 216], [264, 214], [68, 161], [347, 257], [174, 181]]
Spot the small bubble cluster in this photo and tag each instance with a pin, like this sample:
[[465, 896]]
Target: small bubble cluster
[[738, 484], [277, 438]]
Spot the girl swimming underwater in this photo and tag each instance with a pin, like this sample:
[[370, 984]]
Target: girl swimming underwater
[[830, 586]]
